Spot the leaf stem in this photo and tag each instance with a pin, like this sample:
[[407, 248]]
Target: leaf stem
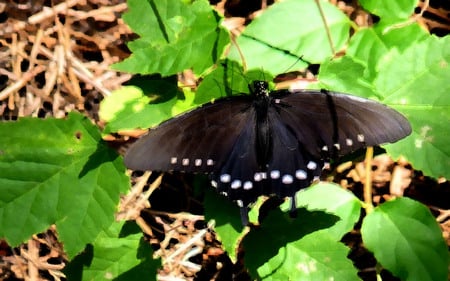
[[368, 180]]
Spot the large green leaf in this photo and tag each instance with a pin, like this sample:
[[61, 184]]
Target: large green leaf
[[416, 83], [57, 171], [388, 9], [144, 106], [369, 45], [118, 253], [406, 240], [295, 249], [174, 36], [289, 32], [332, 199]]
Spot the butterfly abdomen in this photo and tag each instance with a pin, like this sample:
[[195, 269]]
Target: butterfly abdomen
[[263, 141]]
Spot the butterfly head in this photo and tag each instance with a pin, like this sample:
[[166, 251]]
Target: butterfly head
[[260, 88]]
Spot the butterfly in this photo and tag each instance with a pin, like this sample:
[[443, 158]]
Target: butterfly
[[266, 143]]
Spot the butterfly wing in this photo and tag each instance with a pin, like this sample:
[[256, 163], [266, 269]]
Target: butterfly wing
[[236, 177], [197, 141], [291, 167], [330, 124]]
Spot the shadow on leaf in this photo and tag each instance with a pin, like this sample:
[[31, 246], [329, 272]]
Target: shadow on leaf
[[277, 230]]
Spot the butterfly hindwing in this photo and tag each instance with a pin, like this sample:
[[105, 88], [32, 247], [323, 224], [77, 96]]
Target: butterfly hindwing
[[291, 167], [237, 175]]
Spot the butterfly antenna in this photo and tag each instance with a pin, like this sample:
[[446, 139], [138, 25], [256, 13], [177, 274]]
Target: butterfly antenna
[[322, 15], [292, 65], [241, 55]]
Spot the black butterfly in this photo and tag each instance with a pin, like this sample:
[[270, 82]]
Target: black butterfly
[[266, 143]]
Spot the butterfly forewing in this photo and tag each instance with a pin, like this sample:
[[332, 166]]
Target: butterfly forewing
[[333, 124], [197, 141]]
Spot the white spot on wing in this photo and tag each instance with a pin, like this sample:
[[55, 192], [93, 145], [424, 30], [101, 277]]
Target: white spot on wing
[[248, 185], [214, 184], [173, 160], [301, 175], [225, 178], [311, 165], [198, 162], [275, 174], [349, 142], [287, 179], [338, 146], [236, 184], [185, 162], [325, 148], [209, 162], [260, 176], [240, 203], [360, 137]]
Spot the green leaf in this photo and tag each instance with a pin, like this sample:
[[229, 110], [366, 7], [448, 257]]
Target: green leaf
[[227, 219], [293, 249], [345, 75], [406, 240], [332, 199], [118, 253], [387, 9], [57, 171], [289, 32], [129, 107], [228, 79], [420, 91], [174, 36], [369, 45]]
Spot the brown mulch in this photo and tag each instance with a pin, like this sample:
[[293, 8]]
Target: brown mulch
[[55, 58]]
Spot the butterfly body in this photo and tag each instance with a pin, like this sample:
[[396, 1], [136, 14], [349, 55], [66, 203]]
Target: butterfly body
[[266, 143]]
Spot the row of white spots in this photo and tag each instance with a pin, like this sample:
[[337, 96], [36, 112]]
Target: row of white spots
[[186, 161], [275, 174], [237, 184], [348, 142]]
